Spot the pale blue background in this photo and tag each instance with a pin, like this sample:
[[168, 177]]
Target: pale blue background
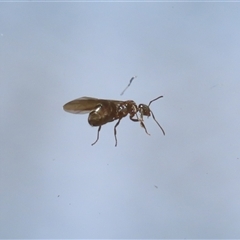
[[54, 184]]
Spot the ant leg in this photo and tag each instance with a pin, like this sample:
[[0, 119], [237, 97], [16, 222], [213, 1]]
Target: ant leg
[[115, 131], [141, 123], [97, 134], [135, 119]]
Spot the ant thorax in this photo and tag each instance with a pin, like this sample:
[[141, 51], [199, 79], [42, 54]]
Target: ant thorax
[[122, 110], [132, 108]]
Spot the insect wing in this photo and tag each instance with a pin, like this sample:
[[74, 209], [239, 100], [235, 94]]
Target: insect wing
[[82, 105]]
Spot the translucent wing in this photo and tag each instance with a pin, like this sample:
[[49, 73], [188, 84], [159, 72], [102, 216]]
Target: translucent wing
[[85, 105], [81, 105]]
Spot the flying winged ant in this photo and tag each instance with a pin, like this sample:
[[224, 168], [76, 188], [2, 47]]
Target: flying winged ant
[[102, 111]]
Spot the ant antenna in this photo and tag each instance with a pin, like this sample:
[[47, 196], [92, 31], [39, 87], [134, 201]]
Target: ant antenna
[[128, 85], [153, 114], [154, 100]]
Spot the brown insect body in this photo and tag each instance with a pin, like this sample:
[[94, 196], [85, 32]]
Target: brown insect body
[[102, 111]]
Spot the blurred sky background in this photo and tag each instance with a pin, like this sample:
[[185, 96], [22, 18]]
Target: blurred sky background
[[54, 184]]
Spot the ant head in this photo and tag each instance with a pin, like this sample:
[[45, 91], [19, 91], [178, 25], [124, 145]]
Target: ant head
[[144, 110]]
